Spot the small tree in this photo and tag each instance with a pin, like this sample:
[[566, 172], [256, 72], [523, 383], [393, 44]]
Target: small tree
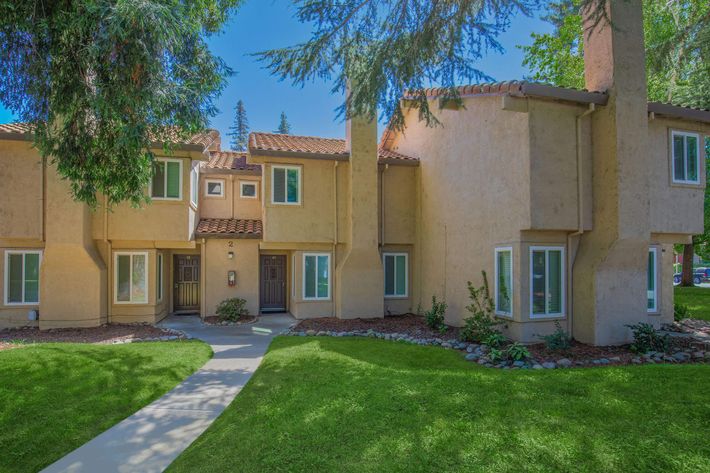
[[239, 131], [284, 126]]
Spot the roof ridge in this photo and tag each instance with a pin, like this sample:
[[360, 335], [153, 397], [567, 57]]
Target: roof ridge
[[295, 136]]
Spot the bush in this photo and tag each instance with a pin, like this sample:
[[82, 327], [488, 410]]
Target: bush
[[494, 340], [646, 339], [558, 340], [680, 312], [517, 352], [481, 324], [434, 317], [231, 310]]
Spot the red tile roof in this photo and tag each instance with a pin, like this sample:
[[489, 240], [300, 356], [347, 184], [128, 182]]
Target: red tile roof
[[229, 228], [231, 161], [311, 146]]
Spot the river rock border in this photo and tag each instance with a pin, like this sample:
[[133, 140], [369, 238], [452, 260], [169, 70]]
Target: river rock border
[[478, 353]]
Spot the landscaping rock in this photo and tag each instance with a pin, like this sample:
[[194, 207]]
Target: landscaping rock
[[681, 356], [310, 333], [519, 363], [699, 355], [564, 363], [537, 366], [472, 356], [549, 365]]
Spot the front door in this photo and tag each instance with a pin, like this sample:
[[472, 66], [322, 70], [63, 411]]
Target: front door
[[273, 282], [187, 283]]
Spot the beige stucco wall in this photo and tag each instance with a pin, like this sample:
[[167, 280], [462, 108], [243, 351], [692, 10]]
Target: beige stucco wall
[[398, 185], [216, 264], [231, 205], [21, 179]]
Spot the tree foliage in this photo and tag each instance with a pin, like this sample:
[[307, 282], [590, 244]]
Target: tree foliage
[[100, 80], [239, 131], [284, 126]]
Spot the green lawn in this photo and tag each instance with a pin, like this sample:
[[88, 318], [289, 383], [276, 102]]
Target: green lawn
[[358, 405], [696, 298], [55, 397]]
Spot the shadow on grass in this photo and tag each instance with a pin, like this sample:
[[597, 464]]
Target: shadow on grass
[[55, 397], [326, 404]]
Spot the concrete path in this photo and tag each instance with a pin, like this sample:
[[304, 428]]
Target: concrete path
[[149, 440]]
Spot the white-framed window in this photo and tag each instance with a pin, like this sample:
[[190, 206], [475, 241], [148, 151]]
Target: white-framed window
[[167, 180], [22, 277], [504, 281], [685, 150], [159, 290], [286, 185], [396, 267], [194, 184], [214, 187], [130, 277], [247, 190], [547, 281], [652, 277], [316, 276]]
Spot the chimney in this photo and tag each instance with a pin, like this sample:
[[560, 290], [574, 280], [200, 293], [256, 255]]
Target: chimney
[[611, 264], [359, 274]]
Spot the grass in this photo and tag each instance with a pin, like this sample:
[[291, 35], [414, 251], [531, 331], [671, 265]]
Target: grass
[[54, 397], [696, 298], [358, 405]]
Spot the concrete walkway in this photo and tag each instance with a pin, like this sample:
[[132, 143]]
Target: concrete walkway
[[149, 440]]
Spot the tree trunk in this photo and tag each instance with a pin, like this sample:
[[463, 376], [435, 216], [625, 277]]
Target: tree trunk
[[687, 277]]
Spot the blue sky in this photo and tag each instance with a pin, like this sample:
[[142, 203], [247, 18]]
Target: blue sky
[[266, 24]]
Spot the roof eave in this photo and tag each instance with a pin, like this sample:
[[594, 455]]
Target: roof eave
[[254, 152], [398, 162], [230, 236], [674, 111], [239, 172]]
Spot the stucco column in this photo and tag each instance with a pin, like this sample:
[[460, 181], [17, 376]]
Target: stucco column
[[73, 279], [610, 270], [359, 276]]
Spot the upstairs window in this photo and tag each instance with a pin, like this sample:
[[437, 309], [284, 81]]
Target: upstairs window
[[214, 187], [396, 274], [167, 180], [652, 287], [686, 157], [22, 277], [194, 185], [247, 190], [286, 185], [504, 281], [547, 281]]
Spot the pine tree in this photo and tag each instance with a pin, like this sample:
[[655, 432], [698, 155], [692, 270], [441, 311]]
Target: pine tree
[[239, 131], [284, 126]]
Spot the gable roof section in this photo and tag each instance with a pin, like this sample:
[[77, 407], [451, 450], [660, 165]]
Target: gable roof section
[[313, 147], [229, 228], [230, 162], [197, 142]]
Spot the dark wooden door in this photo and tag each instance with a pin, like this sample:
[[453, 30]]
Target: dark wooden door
[[273, 282], [187, 283]]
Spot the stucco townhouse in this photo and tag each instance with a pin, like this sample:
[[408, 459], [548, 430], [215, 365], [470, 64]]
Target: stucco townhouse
[[570, 200]]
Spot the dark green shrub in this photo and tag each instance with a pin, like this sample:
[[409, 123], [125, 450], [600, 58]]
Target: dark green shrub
[[481, 324], [494, 340], [231, 310], [558, 340], [434, 317], [517, 352], [680, 312], [496, 354], [647, 338]]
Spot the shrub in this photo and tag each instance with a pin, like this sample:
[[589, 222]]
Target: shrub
[[231, 310], [496, 354], [680, 312], [434, 317], [494, 340], [558, 340], [517, 352], [481, 324], [646, 339]]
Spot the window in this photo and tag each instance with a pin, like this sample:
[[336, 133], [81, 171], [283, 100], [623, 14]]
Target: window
[[160, 277], [131, 278], [194, 185], [504, 281], [22, 277], [547, 281], [167, 180], [286, 185], [214, 187], [316, 276], [396, 274], [247, 190], [652, 290], [686, 157]]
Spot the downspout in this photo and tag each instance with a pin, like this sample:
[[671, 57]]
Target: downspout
[[109, 264], [382, 206], [335, 233], [43, 209], [580, 220]]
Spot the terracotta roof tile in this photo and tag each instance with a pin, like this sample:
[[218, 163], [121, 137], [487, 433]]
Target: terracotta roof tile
[[230, 161], [229, 228], [14, 128], [295, 146]]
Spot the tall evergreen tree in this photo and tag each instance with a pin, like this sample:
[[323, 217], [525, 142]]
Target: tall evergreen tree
[[239, 131], [284, 126]]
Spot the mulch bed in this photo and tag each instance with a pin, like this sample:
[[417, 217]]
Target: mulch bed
[[581, 352], [113, 333], [409, 324], [214, 320]]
